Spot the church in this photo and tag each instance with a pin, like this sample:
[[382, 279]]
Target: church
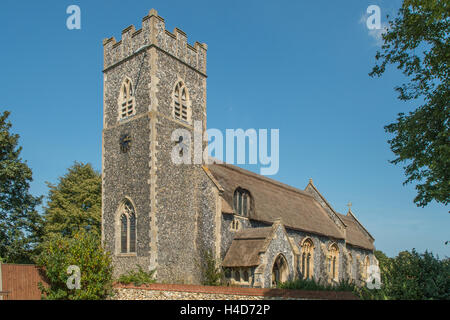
[[164, 216]]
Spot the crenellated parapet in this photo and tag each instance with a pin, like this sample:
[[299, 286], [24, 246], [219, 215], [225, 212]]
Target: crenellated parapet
[[154, 34]]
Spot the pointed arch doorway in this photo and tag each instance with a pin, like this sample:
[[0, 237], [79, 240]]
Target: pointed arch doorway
[[280, 270]]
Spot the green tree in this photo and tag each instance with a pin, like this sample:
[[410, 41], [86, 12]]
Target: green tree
[[415, 276], [417, 42], [83, 249], [410, 276], [74, 203], [19, 220], [385, 264]]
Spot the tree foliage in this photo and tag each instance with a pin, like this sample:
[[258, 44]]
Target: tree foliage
[[84, 250], [75, 202], [415, 276], [411, 276], [417, 42], [19, 220]]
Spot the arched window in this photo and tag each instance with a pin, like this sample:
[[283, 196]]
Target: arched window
[[307, 258], [132, 218], [181, 109], [333, 261], [126, 100], [245, 275], [123, 234], [237, 275], [127, 228], [242, 202]]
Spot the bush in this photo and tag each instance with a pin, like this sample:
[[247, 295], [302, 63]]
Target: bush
[[313, 285], [83, 250], [211, 272], [138, 277], [410, 276], [414, 276]]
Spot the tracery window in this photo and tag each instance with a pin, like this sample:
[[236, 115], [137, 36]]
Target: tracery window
[[126, 99], [181, 110], [333, 261], [127, 228], [307, 255], [242, 202]]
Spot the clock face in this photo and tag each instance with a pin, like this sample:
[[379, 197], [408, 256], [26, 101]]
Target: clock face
[[125, 143]]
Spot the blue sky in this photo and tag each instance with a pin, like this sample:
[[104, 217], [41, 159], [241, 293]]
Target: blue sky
[[297, 66]]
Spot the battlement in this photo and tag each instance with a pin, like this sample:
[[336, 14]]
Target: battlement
[[153, 33]]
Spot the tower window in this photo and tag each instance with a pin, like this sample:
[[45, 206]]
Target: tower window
[[123, 234], [127, 228], [181, 110], [126, 100], [242, 202]]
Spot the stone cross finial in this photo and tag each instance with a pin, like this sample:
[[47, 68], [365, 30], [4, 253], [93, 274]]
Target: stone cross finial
[[349, 206]]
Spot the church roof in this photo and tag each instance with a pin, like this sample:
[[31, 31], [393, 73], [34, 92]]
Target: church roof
[[273, 200], [246, 247], [354, 234]]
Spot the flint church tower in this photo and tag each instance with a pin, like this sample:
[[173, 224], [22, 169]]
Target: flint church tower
[[154, 83]]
